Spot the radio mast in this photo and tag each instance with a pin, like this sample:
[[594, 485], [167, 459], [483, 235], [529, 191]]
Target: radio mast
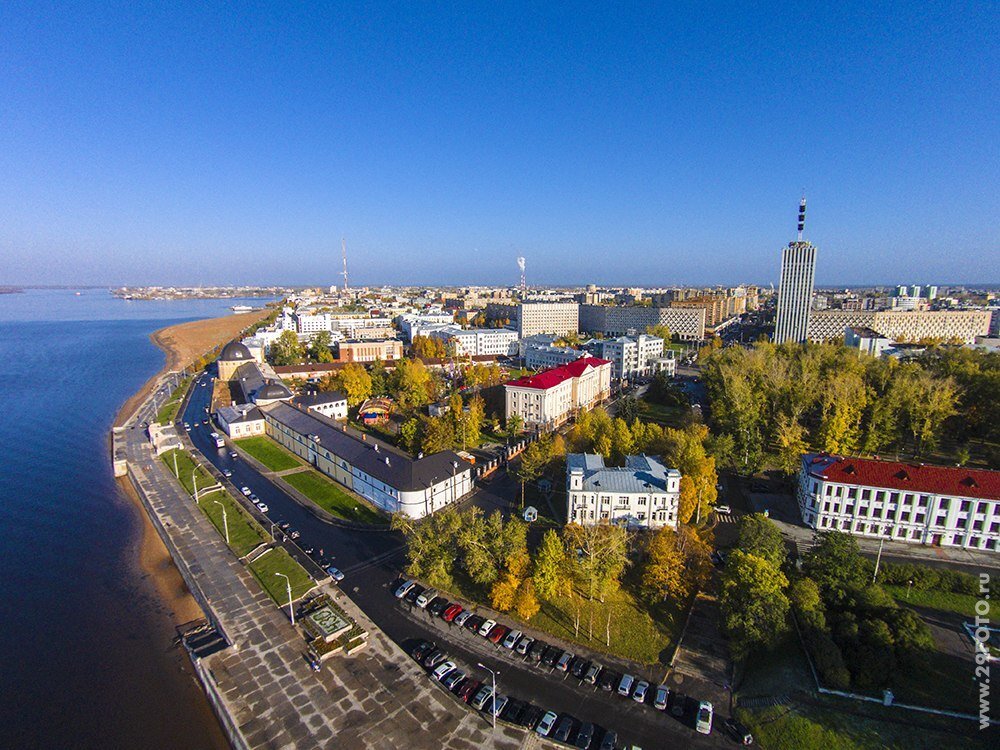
[[343, 250]]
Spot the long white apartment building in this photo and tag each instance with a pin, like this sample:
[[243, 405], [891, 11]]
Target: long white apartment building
[[902, 326], [547, 399], [630, 357], [476, 342], [938, 505], [422, 324], [545, 356], [531, 318], [352, 327], [687, 323], [643, 493]]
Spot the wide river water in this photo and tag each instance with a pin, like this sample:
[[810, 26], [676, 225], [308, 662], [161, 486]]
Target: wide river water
[[89, 660]]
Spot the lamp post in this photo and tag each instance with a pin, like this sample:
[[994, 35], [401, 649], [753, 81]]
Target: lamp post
[[225, 519], [493, 712], [194, 482], [288, 584], [878, 557]]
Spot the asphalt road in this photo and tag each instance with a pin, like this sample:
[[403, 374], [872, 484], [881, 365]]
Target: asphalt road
[[372, 560]]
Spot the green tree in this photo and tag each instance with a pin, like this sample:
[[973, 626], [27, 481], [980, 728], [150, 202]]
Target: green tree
[[660, 331], [760, 536], [380, 378], [836, 563], [514, 425], [628, 408], [287, 350], [601, 555], [549, 572], [430, 545], [409, 435], [753, 602], [790, 439], [439, 435], [320, 347], [531, 465], [414, 385]]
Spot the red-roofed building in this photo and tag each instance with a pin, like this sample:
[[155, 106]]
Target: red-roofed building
[[548, 398], [905, 502]]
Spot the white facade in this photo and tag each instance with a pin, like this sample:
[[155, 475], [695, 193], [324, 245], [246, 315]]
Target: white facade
[[687, 323], [243, 420], [420, 324], [643, 493], [541, 355], [902, 326], [630, 357], [798, 269], [547, 317], [549, 398], [475, 342], [941, 506]]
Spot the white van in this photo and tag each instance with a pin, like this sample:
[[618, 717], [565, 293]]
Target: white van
[[425, 598]]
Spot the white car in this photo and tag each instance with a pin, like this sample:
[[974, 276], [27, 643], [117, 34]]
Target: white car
[[625, 686], [545, 725], [461, 617], [723, 509], [639, 696], [524, 644], [263, 507], [246, 491], [442, 670], [704, 721], [425, 598], [486, 627], [511, 638], [405, 589]]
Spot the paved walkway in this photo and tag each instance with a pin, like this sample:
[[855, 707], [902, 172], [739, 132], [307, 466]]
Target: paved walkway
[[376, 699]]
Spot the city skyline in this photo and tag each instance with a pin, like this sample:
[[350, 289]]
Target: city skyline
[[163, 146]]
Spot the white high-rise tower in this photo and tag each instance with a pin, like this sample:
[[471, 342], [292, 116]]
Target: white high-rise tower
[[798, 270]]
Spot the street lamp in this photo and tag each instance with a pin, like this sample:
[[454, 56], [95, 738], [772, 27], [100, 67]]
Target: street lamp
[[288, 584], [493, 711], [225, 520], [194, 482]]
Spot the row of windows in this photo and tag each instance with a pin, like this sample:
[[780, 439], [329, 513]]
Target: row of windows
[[908, 534], [921, 501]]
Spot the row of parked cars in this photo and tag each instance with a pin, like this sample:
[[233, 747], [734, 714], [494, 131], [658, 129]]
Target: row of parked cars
[[588, 672], [480, 696]]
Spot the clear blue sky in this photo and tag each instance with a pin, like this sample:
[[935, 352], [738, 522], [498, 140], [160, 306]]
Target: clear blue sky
[[665, 143]]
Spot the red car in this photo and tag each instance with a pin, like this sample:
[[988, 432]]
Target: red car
[[497, 634], [451, 613], [469, 688]]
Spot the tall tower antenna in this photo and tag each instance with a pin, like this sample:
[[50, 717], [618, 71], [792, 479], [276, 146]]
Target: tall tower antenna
[[802, 215], [524, 283], [343, 250]]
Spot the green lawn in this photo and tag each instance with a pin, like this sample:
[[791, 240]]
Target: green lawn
[[943, 601], [273, 456], [168, 412], [277, 560], [245, 534], [667, 416], [328, 495], [185, 465]]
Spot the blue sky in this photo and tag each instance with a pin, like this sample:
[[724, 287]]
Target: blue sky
[[650, 144]]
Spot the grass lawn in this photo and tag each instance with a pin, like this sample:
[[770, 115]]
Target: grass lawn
[[807, 727], [244, 533], [185, 466], [277, 560], [328, 495], [667, 416], [168, 412], [943, 681], [273, 456], [943, 601]]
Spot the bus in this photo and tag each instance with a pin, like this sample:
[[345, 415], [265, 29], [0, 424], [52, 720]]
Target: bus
[[219, 442]]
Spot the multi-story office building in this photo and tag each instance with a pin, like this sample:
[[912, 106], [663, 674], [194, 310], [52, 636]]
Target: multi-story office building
[[937, 505], [369, 351], [539, 355], [547, 399], [475, 342], [421, 324], [912, 326], [391, 479], [531, 318], [687, 324], [642, 493], [630, 357]]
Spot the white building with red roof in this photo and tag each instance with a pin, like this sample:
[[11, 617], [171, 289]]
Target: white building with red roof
[[548, 398], [905, 502]]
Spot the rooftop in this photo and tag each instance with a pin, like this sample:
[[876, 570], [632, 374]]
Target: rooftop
[[640, 473], [910, 477], [550, 378]]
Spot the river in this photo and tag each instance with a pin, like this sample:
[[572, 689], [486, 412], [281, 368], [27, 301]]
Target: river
[[90, 661]]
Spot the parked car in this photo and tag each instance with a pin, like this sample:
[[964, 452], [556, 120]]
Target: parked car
[[625, 685], [468, 689], [723, 509], [450, 612], [738, 732], [263, 507], [246, 490], [474, 623], [234, 454], [425, 597], [511, 639], [496, 635], [564, 728], [413, 593], [421, 650], [579, 667], [609, 679], [227, 473], [609, 741], [284, 525], [639, 694], [584, 736], [536, 650], [438, 605], [486, 627], [405, 588], [564, 661], [443, 669], [462, 617], [593, 671], [335, 574], [551, 656], [532, 716], [294, 534], [434, 658], [524, 644], [703, 722], [662, 696], [480, 698], [547, 723], [497, 704]]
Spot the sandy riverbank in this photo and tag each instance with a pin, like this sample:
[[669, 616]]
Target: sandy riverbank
[[181, 344]]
